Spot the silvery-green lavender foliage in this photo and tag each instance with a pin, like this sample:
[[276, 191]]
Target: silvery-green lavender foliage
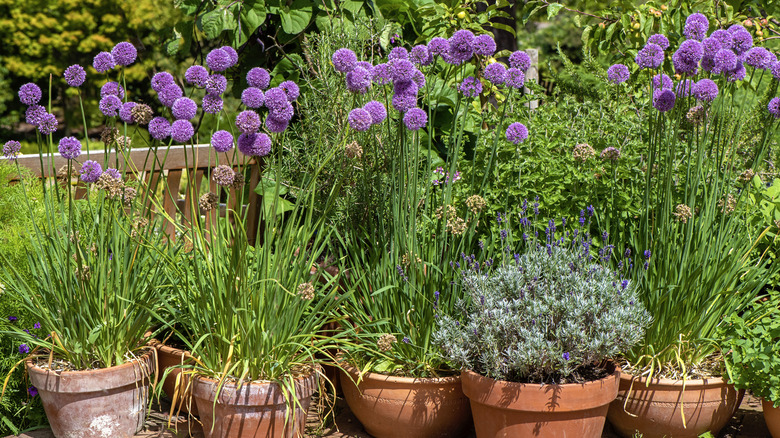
[[542, 316]]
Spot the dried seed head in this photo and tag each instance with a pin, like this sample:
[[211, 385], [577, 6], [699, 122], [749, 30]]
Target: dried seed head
[[306, 291], [83, 273], [142, 113], [113, 187], [123, 142], [109, 135], [475, 203], [128, 196], [583, 152], [747, 175], [727, 204], [386, 342], [354, 150], [456, 225], [137, 226], [682, 212], [208, 201], [238, 181]]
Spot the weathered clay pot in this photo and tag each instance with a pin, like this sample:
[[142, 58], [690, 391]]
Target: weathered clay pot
[[107, 402], [772, 417], [402, 407], [256, 410], [506, 409], [171, 358], [707, 404]]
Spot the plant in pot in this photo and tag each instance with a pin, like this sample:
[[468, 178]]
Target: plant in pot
[[93, 278], [752, 355], [535, 334], [706, 133]]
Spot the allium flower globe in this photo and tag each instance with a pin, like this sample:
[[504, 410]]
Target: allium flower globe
[[470, 87], [737, 74], [258, 77], [462, 45], [618, 73], [407, 88], [710, 46], [419, 79], [516, 133], [159, 128], [484, 45], [222, 141], [291, 89], [90, 171], [724, 37], [663, 100], [398, 53], [696, 26], [438, 46], [124, 53], [161, 80], [359, 119], [403, 102], [758, 57], [212, 104], [47, 124], [660, 40], [520, 60], [415, 118], [216, 84], [184, 108], [232, 54], [725, 60], [113, 173], [218, 60], [272, 124], [168, 94], [182, 131], [495, 73], [420, 55], [11, 148], [276, 99], [103, 62], [112, 88], [774, 107], [774, 68], [75, 75], [126, 112], [254, 145], [30, 94], [381, 74], [367, 66], [252, 97], [69, 148], [705, 89], [34, 114], [285, 113], [110, 105], [515, 78], [358, 80], [196, 75], [650, 56], [248, 121], [742, 41], [377, 111], [344, 60], [662, 81], [401, 70]]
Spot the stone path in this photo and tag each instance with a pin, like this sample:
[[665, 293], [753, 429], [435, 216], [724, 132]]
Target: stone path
[[748, 422]]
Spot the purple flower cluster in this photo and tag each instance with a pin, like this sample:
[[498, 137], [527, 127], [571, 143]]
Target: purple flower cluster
[[90, 171], [248, 122], [663, 100], [484, 45], [110, 105], [516, 133], [184, 108], [774, 107], [196, 75], [216, 84], [112, 88], [219, 60], [618, 73], [75, 75], [11, 149], [415, 118], [359, 119], [103, 62], [696, 26], [252, 97], [705, 89], [159, 128], [495, 73], [182, 131], [662, 81], [660, 40], [686, 58], [420, 55], [126, 112], [470, 87], [254, 145], [30, 94], [36, 115], [377, 111], [344, 60], [358, 80], [520, 60], [515, 78], [222, 141], [212, 104], [650, 56], [124, 53], [461, 47]]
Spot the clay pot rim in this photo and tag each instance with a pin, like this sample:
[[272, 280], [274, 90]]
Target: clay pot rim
[[476, 376], [206, 379], [353, 371], [138, 360], [674, 383], [167, 349]]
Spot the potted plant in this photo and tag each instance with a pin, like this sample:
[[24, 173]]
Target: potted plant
[[752, 353], [535, 335], [697, 244]]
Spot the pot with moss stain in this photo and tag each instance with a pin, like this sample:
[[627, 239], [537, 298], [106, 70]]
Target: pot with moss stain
[[404, 407], [254, 410], [508, 409], [106, 402], [772, 418], [654, 408]]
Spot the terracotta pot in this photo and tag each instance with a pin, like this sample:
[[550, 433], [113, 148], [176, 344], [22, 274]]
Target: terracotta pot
[[171, 358], [506, 409], [107, 402], [772, 417], [256, 410], [405, 407], [707, 404]]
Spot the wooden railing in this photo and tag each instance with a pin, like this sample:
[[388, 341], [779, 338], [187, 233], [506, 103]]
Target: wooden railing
[[168, 165]]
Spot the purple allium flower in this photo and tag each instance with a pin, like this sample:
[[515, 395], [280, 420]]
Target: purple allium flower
[[403, 102], [182, 131], [248, 121], [470, 87], [47, 124], [407, 88], [112, 88], [222, 141], [662, 81], [126, 112], [684, 88], [420, 55], [687, 57], [253, 97], [113, 173], [285, 113], [69, 148], [358, 80], [90, 171], [438, 46], [377, 111], [216, 84], [515, 78], [232, 54], [696, 26], [218, 60], [110, 105], [659, 39], [272, 124], [742, 41], [725, 60], [359, 119], [398, 53], [618, 73], [24, 349], [774, 107], [774, 68], [520, 60], [11, 149], [381, 75], [276, 99], [184, 108], [462, 45], [758, 57], [415, 119], [516, 133], [159, 128], [75, 75], [663, 100], [495, 73], [34, 114], [566, 356], [401, 70], [737, 74], [161, 80], [258, 77], [223, 175], [30, 94], [196, 75], [419, 79], [724, 38], [33, 391], [707, 63], [710, 46], [344, 60], [212, 103], [124, 53], [705, 89], [254, 145], [291, 89], [650, 56], [169, 93], [103, 62], [484, 45], [368, 66]]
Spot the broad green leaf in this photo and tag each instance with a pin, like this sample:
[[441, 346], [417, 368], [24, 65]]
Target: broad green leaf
[[211, 24], [296, 17], [553, 9]]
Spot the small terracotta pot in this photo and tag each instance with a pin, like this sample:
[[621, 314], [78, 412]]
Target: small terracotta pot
[[708, 405], [403, 407], [507, 409], [107, 402], [256, 410], [772, 418], [171, 358]]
